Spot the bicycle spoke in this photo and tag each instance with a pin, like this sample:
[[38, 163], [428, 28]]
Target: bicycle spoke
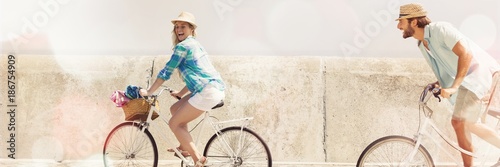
[[393, 151], [128, 145], [237, 147]]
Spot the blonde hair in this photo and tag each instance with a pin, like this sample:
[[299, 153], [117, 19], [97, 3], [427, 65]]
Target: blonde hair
[[175, 40]]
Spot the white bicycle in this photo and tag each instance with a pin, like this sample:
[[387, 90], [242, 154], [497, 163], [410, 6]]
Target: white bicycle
[[131, 143], [405, 151]]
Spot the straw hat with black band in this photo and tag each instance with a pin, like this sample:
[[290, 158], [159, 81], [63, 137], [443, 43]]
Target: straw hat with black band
[[411, 10]]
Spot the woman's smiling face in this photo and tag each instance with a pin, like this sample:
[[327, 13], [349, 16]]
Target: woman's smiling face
[[183, 30]]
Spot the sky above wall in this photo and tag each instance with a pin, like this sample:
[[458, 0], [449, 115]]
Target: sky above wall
[[345, 28]]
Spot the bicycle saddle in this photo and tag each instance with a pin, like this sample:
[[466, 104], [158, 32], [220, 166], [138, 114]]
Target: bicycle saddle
[[220, 104]]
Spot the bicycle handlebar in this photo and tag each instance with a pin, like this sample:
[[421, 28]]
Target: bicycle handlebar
[[431, 88], [161, 91]]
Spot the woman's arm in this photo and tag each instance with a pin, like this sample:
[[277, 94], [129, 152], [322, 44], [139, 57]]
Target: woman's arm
[[158, 82], [180, 93]]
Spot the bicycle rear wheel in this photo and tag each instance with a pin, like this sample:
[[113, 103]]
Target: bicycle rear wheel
[[128, 145], [391, 151], [237, 146]]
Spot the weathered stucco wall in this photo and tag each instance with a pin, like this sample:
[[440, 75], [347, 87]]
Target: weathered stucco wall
[[307, 108]]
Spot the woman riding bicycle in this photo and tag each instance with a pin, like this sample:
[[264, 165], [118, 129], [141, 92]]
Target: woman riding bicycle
[[202, 81]]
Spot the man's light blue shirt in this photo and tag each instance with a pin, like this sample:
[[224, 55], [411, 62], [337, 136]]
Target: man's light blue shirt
[[441, 38]]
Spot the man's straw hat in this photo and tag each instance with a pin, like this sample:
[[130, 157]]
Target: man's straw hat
[[186, 17], [411, 10]]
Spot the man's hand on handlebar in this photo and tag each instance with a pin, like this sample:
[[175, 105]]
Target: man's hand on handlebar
[[443, 92], [448, 92]]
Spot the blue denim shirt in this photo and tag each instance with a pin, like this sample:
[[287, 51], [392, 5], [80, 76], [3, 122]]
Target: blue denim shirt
[[441, 38]]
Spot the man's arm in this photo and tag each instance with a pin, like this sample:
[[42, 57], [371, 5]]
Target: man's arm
[[464, 59]]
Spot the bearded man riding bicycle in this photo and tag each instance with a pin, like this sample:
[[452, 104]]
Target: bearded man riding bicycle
[[464, 72]]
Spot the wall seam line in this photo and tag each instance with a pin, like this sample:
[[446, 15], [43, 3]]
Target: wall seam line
[[323, 78]]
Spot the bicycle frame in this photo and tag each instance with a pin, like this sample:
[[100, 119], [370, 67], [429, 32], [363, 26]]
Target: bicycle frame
[[206, 119], [423, 132]]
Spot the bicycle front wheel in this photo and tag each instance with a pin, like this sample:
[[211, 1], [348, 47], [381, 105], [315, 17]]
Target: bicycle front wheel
[[393, 151], [128, 145], [237, 146]]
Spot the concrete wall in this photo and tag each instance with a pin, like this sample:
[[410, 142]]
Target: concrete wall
[[307, 108]]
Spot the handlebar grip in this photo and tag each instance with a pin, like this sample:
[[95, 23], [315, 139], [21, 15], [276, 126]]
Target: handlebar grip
[[170, 90], [437, 92]]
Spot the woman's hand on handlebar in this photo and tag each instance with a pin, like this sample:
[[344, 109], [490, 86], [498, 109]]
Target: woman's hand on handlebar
[[144, 92], [176, 94], [179, 94]]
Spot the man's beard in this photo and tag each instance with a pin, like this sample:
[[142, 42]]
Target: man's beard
[[408, 32]]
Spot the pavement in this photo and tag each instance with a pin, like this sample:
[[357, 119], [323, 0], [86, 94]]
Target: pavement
[[164, 163], [66, 163]]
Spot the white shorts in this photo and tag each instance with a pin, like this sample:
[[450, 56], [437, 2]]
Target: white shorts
[[207, 98]]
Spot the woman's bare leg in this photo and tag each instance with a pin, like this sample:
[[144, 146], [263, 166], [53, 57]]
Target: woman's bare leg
[[178, 124]]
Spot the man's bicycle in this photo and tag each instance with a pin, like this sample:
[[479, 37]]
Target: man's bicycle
[[405, 151], [131, 143]]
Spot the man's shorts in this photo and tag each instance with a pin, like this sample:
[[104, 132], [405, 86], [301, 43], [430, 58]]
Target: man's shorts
[[468, 106], [207, 98]]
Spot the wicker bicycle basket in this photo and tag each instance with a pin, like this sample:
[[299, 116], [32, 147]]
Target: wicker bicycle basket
[[138, 109]]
